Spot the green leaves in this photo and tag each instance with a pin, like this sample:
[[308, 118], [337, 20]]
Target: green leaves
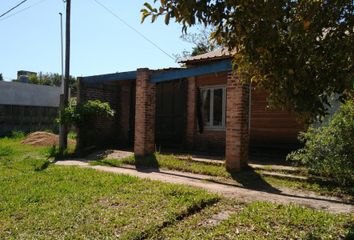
[[300, 52], [328, 150], [85, 113], [149, 11]]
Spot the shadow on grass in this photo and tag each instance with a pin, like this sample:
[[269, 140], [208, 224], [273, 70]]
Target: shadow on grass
[[171, 221], [350, 234], [250, 179], [41, 166], [59, 154], [147, 163]]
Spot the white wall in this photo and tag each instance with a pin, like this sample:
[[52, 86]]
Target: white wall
[[25, 94]]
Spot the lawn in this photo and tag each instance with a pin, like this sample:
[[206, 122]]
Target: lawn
[[259, 220], [39, 200], [221, 175], [67, 202]]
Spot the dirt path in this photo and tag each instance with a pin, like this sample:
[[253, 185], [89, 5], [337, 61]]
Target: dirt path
[[283, 196]]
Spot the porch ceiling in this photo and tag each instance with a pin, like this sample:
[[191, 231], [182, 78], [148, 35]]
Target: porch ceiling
[[169, 75]]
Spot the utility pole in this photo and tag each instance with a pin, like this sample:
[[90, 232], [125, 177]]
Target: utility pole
[[63, 138], [62, 54]]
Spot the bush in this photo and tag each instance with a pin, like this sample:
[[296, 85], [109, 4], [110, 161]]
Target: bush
[[329, 150], [84, 117], [82, 114]]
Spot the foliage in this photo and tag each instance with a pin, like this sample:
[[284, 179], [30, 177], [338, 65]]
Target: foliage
[[51, 79], [72, 135], [202, 43], [1, 77], [300, 52], [329, 150], [85, 114]]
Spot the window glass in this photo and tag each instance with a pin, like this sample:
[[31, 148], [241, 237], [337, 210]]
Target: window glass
[[213, 106], [217, 107], [206, 106]]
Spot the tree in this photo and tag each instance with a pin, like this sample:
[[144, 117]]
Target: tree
[[51, 79], [300, 52], [1, 77], [201, 40]]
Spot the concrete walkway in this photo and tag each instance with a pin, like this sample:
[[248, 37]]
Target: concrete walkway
[[282, 196]]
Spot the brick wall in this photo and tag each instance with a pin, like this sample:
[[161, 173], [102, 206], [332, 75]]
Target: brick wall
[[144, 142], [191, 123], [237, 115], [105, 131], [272, 127], [210, 141], [126, 113]]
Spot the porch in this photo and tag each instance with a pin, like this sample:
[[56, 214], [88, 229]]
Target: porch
[[158, 109]]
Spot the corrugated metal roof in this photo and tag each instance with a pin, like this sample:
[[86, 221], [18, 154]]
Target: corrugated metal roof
[[219, 53]]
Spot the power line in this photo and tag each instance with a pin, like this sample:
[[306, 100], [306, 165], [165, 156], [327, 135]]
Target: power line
[[135, 30], [13, 8], [24, 9]]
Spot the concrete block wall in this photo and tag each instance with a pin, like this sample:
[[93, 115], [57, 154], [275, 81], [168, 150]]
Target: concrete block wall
[[27, 119]]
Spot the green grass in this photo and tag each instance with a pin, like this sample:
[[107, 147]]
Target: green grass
[[41, 201], [260, 220], [171, 162], [72, 135], [68, 202]]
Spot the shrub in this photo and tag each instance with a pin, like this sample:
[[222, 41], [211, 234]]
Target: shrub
[[83, 114], [329, 150], [83, 117]]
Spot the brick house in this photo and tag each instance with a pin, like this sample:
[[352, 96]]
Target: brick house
[[201, 107]]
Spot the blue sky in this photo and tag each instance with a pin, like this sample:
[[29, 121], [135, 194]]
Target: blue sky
[[100, 43]]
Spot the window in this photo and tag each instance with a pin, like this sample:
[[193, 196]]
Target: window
[[213, 108]]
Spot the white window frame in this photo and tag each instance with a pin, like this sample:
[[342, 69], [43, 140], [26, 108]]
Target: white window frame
[[209, 125]]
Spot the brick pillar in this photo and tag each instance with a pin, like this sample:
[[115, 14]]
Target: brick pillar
[[144, 142], [191, 112], [237, 135]]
